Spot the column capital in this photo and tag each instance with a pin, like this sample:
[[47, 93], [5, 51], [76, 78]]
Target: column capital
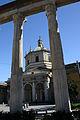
[[51, 9], [19, 17], [17, 57]]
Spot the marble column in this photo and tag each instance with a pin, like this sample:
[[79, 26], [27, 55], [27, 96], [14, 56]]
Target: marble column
[[33, 92], [16, 83], [59, 74], [46, 91]]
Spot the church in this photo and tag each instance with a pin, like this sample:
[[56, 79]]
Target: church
[[37, 77]]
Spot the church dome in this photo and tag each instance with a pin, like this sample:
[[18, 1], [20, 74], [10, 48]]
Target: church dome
[[39, 48]]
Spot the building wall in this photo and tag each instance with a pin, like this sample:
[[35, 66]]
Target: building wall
[[72, 75], [44, 60], [3, 94]]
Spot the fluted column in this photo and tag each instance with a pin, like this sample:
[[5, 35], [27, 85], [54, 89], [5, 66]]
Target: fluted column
[[33, 92], [59, 73], [16, 83]]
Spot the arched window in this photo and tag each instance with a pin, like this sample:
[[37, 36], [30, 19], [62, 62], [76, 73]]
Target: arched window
[[28, 93], [37, 58]]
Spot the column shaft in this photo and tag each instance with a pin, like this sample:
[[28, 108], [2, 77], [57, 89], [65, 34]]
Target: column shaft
[[46, 90], [16, 83], [59, 73], [17, 52], [33, 92]]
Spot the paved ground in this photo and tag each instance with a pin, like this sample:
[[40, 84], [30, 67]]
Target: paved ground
[[41, 109], [6, 108]]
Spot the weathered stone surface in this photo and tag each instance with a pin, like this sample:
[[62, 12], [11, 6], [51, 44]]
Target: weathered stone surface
[[27, 7], [16, 83], [16, 93], [59, 74]]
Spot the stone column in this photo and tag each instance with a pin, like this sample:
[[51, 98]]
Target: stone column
[[59, 73], [16, 83], [33, 92], [46, 90]]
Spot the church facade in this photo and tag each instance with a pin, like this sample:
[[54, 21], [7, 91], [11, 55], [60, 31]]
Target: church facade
[[37, 78]]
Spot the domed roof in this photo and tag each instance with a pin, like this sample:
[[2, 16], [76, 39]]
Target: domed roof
[[40, 45], [39, 48]]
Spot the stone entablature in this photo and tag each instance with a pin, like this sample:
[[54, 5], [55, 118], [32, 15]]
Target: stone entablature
[[21, 3]]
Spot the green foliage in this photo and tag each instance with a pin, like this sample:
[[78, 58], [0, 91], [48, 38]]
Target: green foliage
[[73, 92], [75, 105]]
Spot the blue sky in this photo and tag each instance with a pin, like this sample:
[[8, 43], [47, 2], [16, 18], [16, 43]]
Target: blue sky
[[37, 25]]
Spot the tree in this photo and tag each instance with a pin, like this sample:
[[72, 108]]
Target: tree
[[73, 92]]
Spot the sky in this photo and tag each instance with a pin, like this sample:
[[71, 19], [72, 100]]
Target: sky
[[37, 25]]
